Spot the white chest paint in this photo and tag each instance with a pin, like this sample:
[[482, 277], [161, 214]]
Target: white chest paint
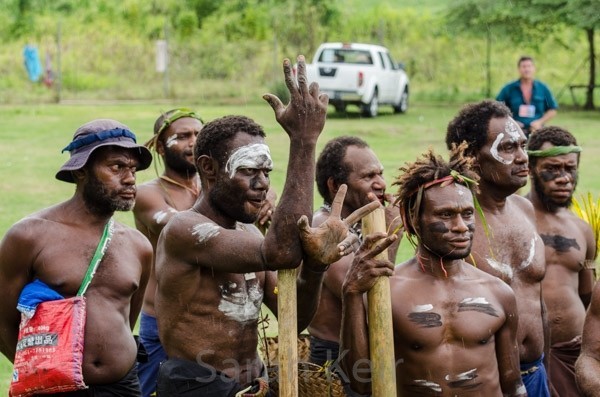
[[429, 384], [529, 259], [241, 306], [475, 301], [423, 308]]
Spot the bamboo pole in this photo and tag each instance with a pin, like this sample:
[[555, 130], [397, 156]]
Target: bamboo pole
[[288, 332], [381, 335]]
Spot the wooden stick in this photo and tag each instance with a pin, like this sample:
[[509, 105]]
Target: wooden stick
[[288, 332], [381, 334]]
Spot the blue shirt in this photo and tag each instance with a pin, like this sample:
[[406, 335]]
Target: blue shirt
[[541, 98]]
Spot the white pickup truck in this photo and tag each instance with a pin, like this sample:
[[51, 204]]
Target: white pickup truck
[[359, 74]]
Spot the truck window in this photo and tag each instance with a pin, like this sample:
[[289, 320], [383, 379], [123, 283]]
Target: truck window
[[384, 61], [394, 65], [344, 55]]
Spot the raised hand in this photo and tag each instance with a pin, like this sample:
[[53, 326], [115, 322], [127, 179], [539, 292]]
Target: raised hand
[[332, 239], [366, 268], [304, 116]]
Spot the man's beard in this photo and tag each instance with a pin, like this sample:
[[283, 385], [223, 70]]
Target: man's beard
[[228, 203], [180, 165], [546, 200], [102, 202]]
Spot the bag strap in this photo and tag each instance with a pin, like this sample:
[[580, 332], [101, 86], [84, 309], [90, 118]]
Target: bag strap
[[98, 255]]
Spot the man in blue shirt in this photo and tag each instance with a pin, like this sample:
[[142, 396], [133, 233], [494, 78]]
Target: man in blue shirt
[[530, 101]]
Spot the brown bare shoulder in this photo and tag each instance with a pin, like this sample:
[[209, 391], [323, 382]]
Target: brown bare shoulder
[[523, 204], [133, 237]]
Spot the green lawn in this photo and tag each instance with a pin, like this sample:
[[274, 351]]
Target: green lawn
[[33, 136]]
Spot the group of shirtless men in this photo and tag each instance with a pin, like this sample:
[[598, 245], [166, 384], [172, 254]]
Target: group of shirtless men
[[492, 304]]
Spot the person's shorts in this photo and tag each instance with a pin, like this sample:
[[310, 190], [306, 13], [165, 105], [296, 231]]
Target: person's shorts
[[148, 371]]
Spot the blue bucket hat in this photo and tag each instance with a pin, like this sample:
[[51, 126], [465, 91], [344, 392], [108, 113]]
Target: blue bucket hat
[[95, 134]]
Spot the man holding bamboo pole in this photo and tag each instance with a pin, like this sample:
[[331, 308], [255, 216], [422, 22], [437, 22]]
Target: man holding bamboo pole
[[454, 325], [213, 267], [344, 160]]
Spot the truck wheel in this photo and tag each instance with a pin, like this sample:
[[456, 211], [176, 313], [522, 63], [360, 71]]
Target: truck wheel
[[402, 105], [372, 108], [340, 108]]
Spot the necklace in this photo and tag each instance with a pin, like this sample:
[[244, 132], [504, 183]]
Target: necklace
[[195, 192]]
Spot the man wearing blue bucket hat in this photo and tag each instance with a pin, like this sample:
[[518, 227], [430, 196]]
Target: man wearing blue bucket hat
[[53, 247]]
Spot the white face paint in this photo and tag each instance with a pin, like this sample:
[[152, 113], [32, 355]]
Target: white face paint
[[161, 217], [494, 150], [512, 129], [172, 140], [241, 306], [529, 259], [426, 383], [502, 268], [474, 301], [255, 156], [468, 375], [422, 308], [205, 231]]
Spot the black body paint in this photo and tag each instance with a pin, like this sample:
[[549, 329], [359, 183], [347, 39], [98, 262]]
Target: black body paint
[[560, 243], [477, 307], [426, 320]]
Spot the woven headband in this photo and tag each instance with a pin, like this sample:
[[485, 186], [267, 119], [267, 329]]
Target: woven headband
[[555, 151], [176, 115], [97, 137]]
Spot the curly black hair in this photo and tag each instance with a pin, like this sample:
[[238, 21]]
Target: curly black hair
[[472, 123], [330, 163], [555, 135], [427, 168], [211, 139]]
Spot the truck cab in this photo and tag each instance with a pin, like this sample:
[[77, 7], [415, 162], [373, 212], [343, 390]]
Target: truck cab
[[365, 75]]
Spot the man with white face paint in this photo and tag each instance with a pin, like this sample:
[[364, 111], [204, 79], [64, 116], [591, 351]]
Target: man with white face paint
[[455, 326], [570, 250], [177, 189], [213, 267], [507, 245]]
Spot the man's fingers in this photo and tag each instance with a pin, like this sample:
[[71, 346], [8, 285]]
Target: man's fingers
[[324, 99], [290, 79], [349, 244], [338, 202], [303, 225], [275, 103], [382, 245], [313, 90], [360, 213], [302, 79]]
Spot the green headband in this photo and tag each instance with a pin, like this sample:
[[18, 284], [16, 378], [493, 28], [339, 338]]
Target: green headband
[[555, 151], [176, 115]]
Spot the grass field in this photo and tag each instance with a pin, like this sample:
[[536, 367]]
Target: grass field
[[33, 136]]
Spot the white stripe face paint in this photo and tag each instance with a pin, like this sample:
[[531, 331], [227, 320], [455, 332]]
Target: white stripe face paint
[[502, 268], [160, 217], [431, 385], [512, 129], [474, 301], [171, 141], [494, 150], [255, 156], [422, 308], [205, 231], [241, 306], [529, 259]]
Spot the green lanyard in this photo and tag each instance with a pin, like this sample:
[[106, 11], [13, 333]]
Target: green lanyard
[[100, 250]]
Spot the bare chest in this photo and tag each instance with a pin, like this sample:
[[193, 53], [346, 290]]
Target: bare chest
[[63, 263], [512, 251]]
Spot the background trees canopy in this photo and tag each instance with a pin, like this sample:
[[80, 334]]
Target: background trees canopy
[[230, 51]]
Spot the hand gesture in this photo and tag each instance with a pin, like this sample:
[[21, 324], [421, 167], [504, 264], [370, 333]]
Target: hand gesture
[[304, 117], [265, 215], [366, 268], [332, 239]]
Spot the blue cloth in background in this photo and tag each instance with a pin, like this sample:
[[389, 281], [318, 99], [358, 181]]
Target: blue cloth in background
[[33, 65], [33, 294]]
